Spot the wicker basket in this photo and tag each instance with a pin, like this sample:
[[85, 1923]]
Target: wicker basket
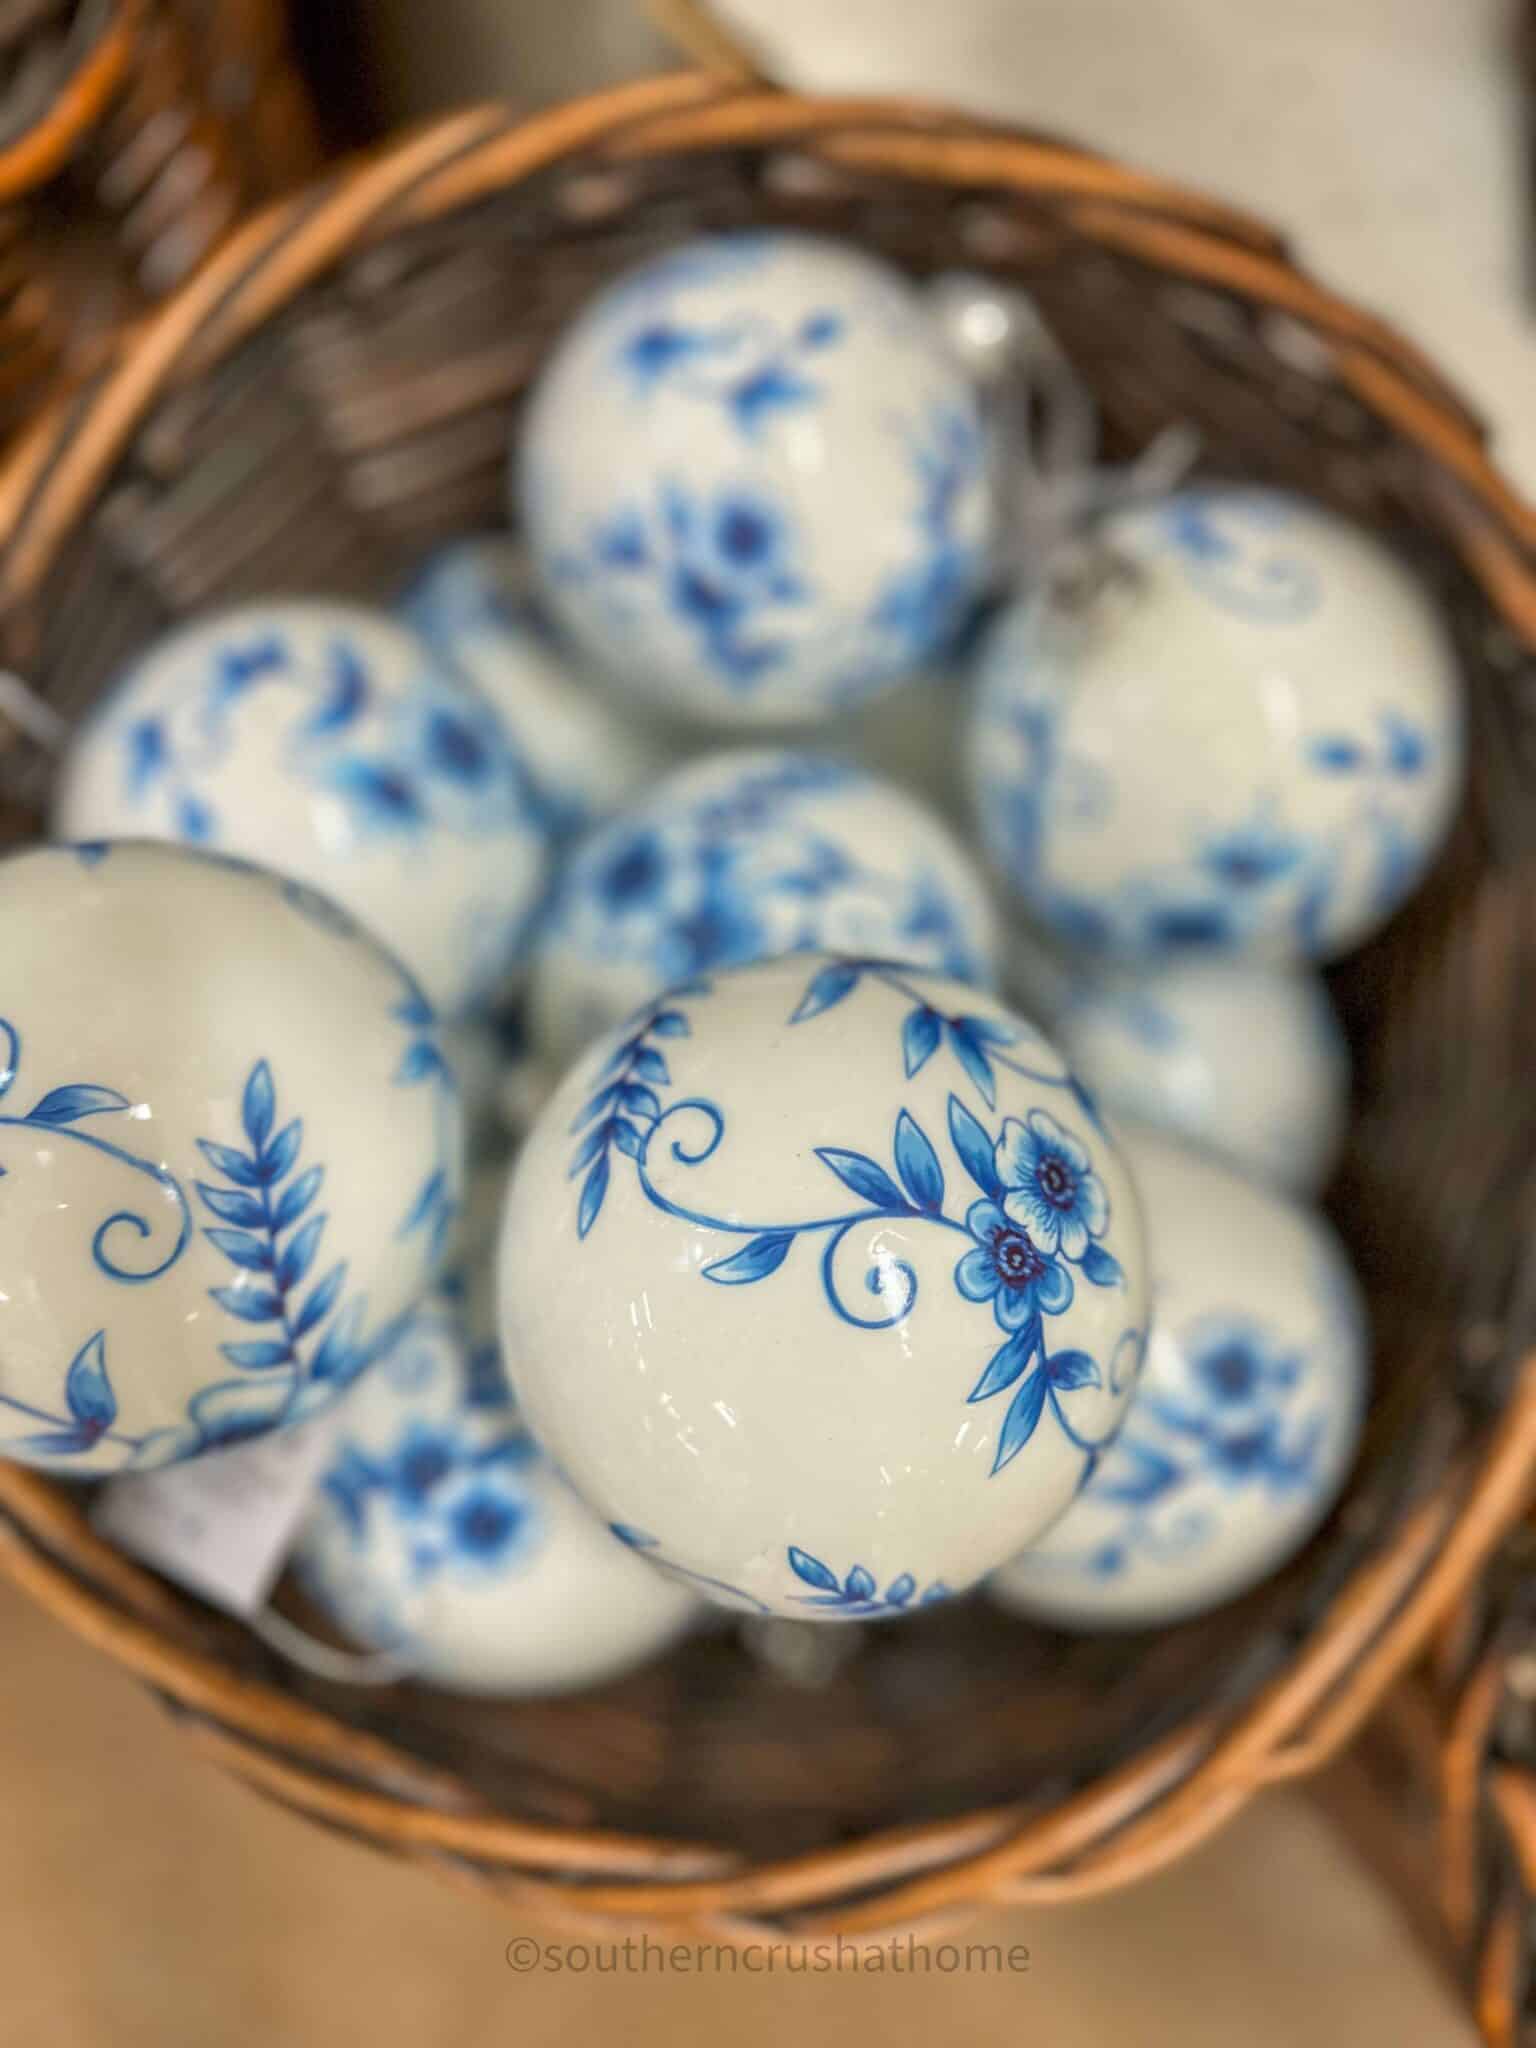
[[330, 396], [132, 135]]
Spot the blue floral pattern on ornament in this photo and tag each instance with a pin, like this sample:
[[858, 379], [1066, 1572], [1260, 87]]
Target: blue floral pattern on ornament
[[734, 879], [750, 366], [1034, 1233], [1233, 550], [1237, 872], [854, 1597], [1237, 1432], [441, 759]]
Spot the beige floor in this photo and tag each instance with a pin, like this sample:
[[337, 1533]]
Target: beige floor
[[147, 1903]]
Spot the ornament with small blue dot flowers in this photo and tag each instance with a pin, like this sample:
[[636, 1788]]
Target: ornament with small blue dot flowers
[[328, 743], [755, 481], [441, 1534], [1240, 732], [1243, 1427]]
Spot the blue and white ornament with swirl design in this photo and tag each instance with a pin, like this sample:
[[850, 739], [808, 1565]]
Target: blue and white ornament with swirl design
[[754, 481], [441, 1535], [741, 856], [230, 1154], [1242, 1430], [824, 1282], [325, 741], [1243, 737]]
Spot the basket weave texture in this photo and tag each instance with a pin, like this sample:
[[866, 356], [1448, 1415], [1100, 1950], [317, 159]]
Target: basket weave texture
[[133, 133], [334, 393]]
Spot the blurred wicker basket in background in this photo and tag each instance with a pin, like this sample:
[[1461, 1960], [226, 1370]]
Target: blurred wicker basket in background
[[132, 135], [330, 396]]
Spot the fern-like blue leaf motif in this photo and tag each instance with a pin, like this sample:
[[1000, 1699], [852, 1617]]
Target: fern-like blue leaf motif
[[856, 1595]]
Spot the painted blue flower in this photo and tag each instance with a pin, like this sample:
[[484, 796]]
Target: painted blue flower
[[486, 1524], [1006, 1267], [1235, 1363], [633, 874], [1050, 1187], [423, 1459]]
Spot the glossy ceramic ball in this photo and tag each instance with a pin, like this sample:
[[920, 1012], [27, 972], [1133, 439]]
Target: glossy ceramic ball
[[754, 480], [1239, 1058], [230, 1150], [585, 757], [1246, 738], [441, 1533], [741, 856], [325, 741], [1246, 1419], [822, 1281]]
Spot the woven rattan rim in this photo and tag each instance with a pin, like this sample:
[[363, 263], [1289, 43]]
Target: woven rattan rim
[[1178, 1791], [46, 145]]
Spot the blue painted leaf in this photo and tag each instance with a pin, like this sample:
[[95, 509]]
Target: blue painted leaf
[[250, 1304], [592, 1193], [969, 1052], [937, 1591], [1102, 1267], [234, 1205], [426, 1203], [828, 985], [1007, 1362], [243, 1249], [259, 1106], [297, 1198], [859, 1584], [235, 1166], [592, 1144], [379, 788], [920, 1038], [900, 1591], [635, 1538], [320, 1301], [295, 1262], [918, 1164], [194, 819], [620, 1057], [346, 696], [626, 1137], [147, 754], [59, 1443], [767, 391], [415, 1012], [1136, 1474], [337, 1354], [650, 1066], [596, 1106], [978, 1154], [755, 1261], [236, 1409], [857, 1171], [670, 1024], [423, 1061], [1070, 1370], [1337, 755], [1022, 1418], [87, 1390], [637, 1096], [812, 1570], [280, 1155], [68, 1105], [987, 1030], [257, 1357]]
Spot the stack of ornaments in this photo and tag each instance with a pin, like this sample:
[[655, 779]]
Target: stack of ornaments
[[760, 1043]]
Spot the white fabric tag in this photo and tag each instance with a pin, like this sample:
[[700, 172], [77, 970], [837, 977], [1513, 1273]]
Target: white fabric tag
[[221, 1524]]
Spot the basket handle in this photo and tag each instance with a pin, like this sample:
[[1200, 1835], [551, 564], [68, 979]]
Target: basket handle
[[695, 30]]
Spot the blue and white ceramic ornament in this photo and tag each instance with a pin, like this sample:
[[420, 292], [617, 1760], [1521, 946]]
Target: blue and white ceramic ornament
[[1245, 736], [741, 856], [823, 1280], [584, 755], [1235, 1056], [229, 1154], [1244, 1425], [441, 1534], [326, 742], [754, 481]]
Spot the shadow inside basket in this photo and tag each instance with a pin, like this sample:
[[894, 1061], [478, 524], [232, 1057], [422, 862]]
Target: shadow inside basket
[[367, 420]]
